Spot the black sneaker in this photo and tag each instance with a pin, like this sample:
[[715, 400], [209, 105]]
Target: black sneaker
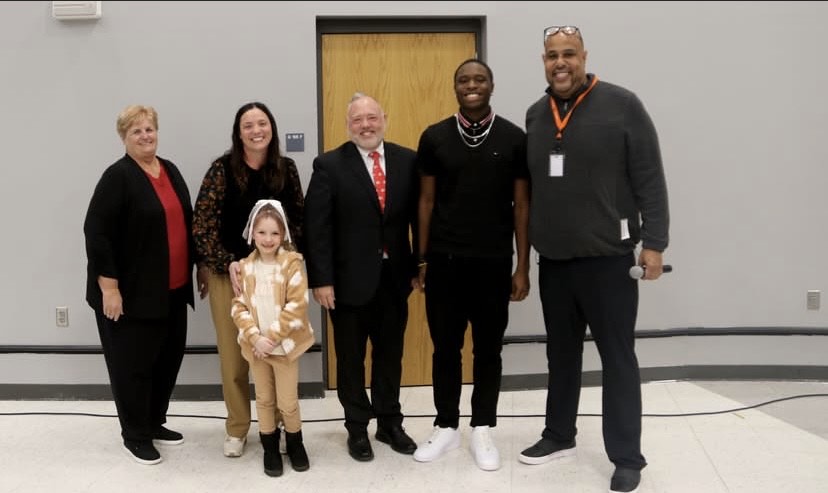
[[163, 436], [625, 480], [545, 450], [142, 451]]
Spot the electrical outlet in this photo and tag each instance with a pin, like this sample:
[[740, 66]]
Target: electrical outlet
[[62, 316], [813, 299]]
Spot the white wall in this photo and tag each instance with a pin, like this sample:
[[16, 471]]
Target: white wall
[[736, 90]]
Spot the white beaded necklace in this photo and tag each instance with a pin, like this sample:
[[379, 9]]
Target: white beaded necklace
[[473, 140]]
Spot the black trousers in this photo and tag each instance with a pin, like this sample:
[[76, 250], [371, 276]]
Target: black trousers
[[595, 292], [459, 291], [382, 320], [143, 357]]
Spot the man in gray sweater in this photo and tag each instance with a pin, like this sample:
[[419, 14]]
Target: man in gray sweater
[[598, 189]]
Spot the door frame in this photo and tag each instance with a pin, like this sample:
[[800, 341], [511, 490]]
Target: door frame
[[361, 25]]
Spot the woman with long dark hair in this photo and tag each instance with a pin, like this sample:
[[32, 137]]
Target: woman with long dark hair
[[252, 169]]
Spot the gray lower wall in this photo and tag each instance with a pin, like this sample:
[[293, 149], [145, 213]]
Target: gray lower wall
[[765, 357]]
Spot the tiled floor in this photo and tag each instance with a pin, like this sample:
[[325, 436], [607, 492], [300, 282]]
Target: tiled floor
[[59, 446]]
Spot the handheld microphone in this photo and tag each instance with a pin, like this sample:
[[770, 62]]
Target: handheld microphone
[[637, 271]]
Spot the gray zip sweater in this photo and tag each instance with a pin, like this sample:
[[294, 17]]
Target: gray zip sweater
[[612, 193]]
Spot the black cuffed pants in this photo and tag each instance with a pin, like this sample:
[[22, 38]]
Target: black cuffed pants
[[596, 292], [383, 320], [143, 357], [459, 291]]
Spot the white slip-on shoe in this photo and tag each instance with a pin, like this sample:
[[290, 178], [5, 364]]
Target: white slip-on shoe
[[234, 447], [442, 440], [484, 450], [282, 440]]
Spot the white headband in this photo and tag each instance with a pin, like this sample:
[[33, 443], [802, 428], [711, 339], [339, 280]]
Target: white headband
[[246, 234]]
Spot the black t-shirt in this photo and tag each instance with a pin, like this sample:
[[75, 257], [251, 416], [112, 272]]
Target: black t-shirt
[[474, 187]]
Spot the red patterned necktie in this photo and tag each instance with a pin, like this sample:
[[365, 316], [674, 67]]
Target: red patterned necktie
[[379, 179]]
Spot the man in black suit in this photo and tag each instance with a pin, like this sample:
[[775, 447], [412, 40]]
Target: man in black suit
[[359, 206]]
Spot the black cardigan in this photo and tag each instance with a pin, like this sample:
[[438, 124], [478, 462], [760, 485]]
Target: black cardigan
[[126, 239]]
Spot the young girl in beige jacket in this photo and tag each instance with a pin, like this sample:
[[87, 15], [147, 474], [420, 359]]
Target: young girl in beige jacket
[[274, 330]]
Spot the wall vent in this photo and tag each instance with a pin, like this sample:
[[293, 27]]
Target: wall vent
[[76, 10]]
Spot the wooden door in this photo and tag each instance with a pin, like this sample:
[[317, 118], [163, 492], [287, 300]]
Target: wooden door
[[411, 75]]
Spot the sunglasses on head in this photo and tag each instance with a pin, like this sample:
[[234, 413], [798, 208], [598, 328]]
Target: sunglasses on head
[[568, 30]]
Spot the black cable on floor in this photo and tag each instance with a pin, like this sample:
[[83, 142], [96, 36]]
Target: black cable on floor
[[327, 420]]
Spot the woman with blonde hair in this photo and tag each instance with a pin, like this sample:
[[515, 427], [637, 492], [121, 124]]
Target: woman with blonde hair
[[139, 280]]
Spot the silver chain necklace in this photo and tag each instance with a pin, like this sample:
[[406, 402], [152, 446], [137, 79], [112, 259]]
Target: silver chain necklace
[[473, 140]]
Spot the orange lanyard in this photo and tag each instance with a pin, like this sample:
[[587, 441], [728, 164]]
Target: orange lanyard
[[561, 124]]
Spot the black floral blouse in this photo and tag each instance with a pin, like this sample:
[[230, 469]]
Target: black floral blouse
[[221, 212]]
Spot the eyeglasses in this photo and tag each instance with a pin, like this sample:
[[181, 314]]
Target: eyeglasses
[[568, 30]]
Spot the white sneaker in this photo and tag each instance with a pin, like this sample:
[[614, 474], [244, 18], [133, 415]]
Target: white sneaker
[[283, 443], [441, 441], [282, 440], [234, 447], [484, 450]]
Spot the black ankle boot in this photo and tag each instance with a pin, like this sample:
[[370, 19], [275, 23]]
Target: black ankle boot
[[296, 451], [272, 458]]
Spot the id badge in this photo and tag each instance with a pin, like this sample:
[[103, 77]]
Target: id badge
[[556, 164], [625, 229]]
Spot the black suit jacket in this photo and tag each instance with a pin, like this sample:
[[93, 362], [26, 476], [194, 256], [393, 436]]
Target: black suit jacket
[[345, 232], [126, 238]]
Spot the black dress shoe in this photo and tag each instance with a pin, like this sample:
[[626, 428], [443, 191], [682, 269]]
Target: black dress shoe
[[359, 447], [397, 438]]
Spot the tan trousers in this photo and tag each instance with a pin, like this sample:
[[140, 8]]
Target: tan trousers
[[235, 381], [277, 391]]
